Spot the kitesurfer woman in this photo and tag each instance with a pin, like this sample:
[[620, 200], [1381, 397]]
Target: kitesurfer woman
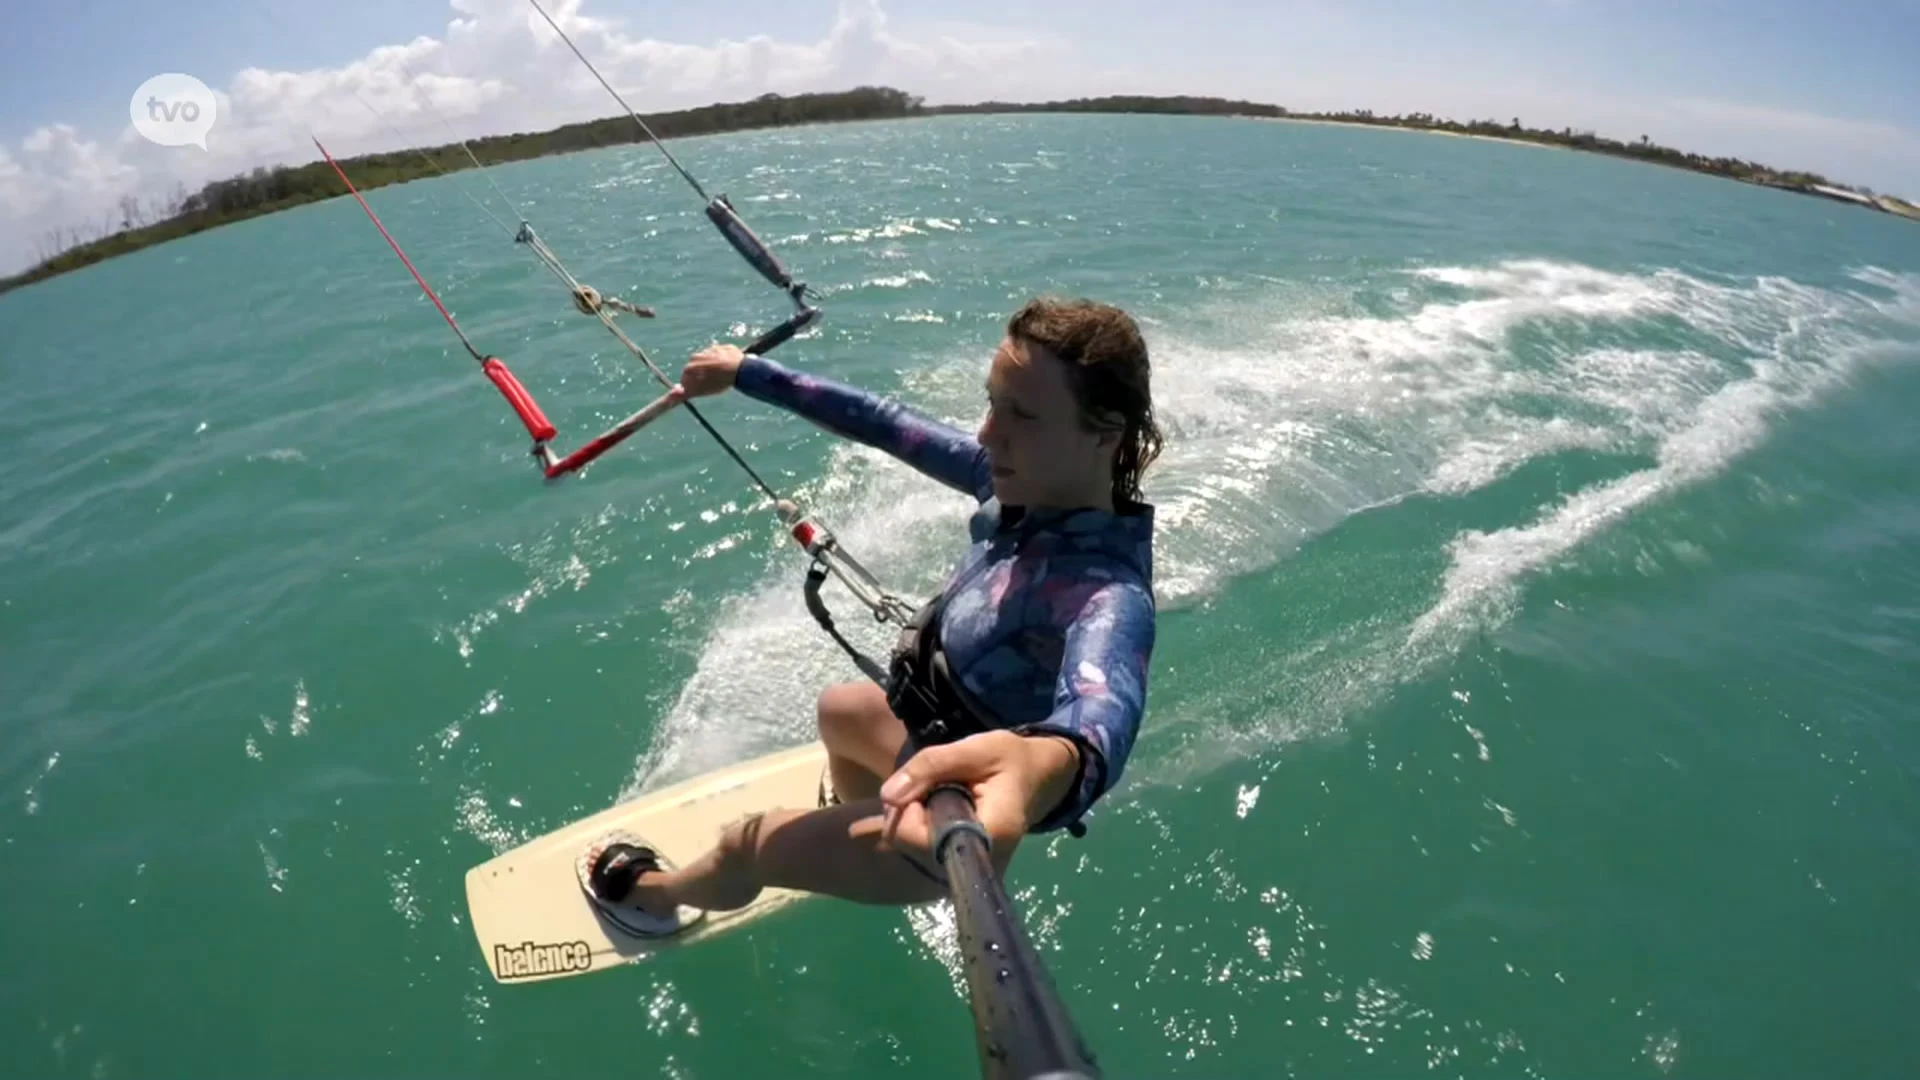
[[1028, 678]]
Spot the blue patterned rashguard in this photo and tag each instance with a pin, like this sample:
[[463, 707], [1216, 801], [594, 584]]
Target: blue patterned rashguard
[[1049, 620]]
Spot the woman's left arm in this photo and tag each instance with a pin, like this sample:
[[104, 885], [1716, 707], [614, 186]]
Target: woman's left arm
[[1100, 694]]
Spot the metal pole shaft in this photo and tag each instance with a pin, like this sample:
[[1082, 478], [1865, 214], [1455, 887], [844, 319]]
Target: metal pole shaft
[[1020, 1024]]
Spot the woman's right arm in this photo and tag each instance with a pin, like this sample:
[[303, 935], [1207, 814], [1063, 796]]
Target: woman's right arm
[[939, 450]]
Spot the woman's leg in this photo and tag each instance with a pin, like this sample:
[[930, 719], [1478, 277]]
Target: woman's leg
[[834, 851], [862, 736]]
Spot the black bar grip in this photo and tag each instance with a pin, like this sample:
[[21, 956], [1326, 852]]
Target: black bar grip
[[779, 335], [750, 247]]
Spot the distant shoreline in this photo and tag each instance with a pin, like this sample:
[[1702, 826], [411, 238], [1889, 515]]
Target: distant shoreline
[[1884, 203], [265, 191], [1416, 130]]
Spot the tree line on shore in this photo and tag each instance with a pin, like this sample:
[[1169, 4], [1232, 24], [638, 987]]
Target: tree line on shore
[[134, 225], [1645, 149]]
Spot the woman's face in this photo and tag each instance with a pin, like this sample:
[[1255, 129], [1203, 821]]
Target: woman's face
[[1042, 454]]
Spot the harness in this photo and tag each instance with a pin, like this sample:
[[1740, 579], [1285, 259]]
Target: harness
[[921, 689], [923, 693]]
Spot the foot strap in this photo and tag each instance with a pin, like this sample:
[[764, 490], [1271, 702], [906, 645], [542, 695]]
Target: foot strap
[[618, 869]]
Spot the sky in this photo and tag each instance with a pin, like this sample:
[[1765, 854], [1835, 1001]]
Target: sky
[[1832, 88]]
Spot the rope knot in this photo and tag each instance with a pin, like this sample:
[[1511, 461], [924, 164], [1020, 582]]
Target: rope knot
[[588, 301]]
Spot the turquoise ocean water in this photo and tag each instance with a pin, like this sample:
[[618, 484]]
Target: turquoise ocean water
[[1538, 682]]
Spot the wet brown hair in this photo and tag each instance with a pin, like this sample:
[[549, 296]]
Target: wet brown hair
[[1107, 369]]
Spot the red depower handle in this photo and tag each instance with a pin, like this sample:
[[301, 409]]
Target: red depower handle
[[517, 396]]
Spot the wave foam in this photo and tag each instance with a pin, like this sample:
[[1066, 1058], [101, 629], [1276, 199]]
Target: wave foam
[[1815, 343]]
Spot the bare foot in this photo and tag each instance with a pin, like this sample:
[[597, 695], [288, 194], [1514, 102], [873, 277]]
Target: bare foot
[[652, 893]]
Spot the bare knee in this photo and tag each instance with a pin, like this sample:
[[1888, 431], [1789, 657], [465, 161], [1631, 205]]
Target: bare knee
[[849, 714], [862, 737]]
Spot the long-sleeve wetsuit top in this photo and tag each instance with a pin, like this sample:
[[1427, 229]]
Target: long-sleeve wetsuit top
[[1049, 621]]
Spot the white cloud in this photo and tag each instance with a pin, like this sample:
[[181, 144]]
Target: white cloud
[[59, 180], [498, 68], [58, 149]]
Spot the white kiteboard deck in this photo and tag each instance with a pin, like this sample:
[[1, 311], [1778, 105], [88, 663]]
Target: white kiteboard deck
[[535, 922]]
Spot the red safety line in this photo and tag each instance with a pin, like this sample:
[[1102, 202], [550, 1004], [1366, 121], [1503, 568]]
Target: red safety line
[[403, 255]]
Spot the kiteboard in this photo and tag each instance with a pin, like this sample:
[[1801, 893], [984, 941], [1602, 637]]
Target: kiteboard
[[534, 920]]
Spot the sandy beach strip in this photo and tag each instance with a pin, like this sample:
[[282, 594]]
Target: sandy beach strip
[[1399, 127]]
